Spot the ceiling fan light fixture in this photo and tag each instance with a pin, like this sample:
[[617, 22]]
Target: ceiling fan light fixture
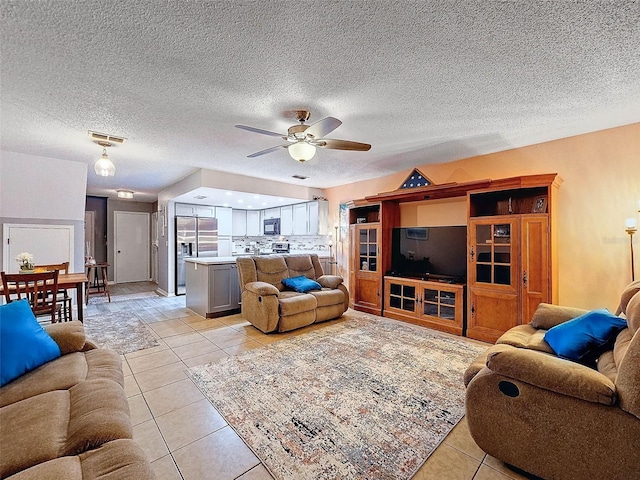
[[301, 151]]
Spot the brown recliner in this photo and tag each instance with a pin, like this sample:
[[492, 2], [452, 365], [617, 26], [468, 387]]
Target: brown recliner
[[270, 306], [553, 417]]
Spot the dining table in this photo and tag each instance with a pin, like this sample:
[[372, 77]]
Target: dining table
[[69, 281]]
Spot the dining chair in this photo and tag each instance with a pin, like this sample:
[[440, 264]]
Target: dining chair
[[64, 298], [40, 290]]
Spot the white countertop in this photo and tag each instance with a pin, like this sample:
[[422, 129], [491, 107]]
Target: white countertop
[[211, 260], [232, 259]]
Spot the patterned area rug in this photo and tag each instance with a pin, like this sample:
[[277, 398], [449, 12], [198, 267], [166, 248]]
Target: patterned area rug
[[368, 398], [121, 331], [99, 298]]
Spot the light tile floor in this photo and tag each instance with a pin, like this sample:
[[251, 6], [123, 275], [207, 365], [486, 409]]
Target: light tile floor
[[182, 433]]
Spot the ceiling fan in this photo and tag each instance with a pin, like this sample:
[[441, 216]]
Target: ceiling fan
[[303, 139]]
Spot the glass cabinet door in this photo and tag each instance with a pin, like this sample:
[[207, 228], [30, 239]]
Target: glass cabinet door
[[439, 303], [367, 249], [492, 253], [402, 296]]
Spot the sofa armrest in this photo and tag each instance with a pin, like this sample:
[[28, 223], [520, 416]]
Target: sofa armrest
[[553, 373], [330, 281], [548, 315], [261, 288], [69, 336]]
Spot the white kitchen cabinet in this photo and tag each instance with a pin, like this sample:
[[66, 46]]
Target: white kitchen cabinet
[[184, 210], [239, 222], [254, 227], [312, 212], [187, 210], [311, 218], [205, 211], [300, 219], [286, 220], [225, 246], [320, 223], [225, 220], [272, 213]]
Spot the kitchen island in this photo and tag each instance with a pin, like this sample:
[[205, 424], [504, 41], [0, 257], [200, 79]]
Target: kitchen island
[[212, 288]]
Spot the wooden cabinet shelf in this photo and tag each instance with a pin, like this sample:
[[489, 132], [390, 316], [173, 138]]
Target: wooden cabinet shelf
[[432, 304]]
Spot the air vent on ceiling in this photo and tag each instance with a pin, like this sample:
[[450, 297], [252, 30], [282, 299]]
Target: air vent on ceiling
[[200, 197], [299, 177], [105, 137]]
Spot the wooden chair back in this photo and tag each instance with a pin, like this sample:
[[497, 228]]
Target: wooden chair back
[[38, 288], [62, 267]]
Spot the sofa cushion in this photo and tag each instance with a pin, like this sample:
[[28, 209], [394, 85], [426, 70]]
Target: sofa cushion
[[69, 336], [24, 344], [326, 297], [547, 315], [117, 460], [271, 269], [62, 422], [330, 281], [300, 265], [63, 373], [292, 303], [526, 336], [583, 338], [301, 284]]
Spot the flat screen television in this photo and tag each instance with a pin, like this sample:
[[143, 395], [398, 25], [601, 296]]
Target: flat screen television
[[424, 251]]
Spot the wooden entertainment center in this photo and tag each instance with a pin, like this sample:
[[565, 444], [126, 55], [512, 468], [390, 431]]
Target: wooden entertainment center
[[510, 257]]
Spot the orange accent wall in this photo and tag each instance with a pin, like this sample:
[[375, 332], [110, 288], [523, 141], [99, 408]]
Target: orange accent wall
[[600, 188]]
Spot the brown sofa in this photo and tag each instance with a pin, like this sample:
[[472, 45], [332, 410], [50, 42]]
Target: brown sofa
[[553, 417], [270, 306], [70, 418]]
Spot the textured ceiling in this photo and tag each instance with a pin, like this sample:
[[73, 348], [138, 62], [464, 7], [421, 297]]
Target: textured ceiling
[[421, 81]]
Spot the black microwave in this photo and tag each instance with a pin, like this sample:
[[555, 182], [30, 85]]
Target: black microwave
[[271, 226]]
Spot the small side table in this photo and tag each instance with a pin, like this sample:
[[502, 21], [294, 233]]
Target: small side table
[[98, 283]]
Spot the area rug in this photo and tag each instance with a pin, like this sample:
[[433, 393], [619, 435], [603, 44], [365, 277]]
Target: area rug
[[367, 398], [98, 298], [121, 331]]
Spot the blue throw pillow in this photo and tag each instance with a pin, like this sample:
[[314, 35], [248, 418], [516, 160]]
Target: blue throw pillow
[[301, 284], [24, 344], [584, 338]]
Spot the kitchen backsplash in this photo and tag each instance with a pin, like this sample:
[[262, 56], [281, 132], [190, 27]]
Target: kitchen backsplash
[[298, 243]]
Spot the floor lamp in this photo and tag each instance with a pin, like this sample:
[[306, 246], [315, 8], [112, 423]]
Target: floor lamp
[[631, 229]]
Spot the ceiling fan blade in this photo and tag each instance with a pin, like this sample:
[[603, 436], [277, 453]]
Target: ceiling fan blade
[[268, 150], [263, 132], [342, 145], [323, 127]]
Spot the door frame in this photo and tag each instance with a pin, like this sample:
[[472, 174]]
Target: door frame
[[115, 242]]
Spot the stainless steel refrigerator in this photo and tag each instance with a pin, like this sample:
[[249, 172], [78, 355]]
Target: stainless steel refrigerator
[[195, 237]]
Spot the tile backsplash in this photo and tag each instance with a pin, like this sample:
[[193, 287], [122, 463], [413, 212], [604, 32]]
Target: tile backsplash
[[297, 243]]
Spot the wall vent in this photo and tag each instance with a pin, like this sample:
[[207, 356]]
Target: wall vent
[[299, 177], [105, 137]]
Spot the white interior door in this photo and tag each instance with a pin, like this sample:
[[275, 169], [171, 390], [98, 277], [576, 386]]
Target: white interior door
[[47, 244], [131, 254]]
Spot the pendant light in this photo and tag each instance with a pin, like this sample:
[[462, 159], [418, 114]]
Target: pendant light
[[104, 167]]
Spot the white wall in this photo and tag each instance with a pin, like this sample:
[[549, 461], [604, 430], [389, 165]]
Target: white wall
[[45, 191], [41, 187]]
